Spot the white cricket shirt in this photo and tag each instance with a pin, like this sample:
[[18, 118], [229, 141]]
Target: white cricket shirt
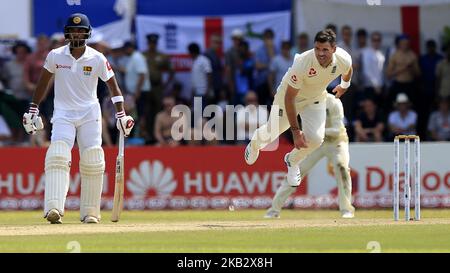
[[76, 80], [310, 77]]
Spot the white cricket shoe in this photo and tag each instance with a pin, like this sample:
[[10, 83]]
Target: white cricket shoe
[[272, 214], [251, 154], [90, 220], [293, 176], [54, 217], [347, 214]]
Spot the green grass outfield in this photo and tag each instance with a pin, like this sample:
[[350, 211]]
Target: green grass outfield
[[227, 231]]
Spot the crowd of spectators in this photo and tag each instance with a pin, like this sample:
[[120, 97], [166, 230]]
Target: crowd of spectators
[[394, 90]]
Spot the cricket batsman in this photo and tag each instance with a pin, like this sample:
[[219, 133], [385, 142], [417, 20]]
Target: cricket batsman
[[76, 69], [302, 91], [335, 148]]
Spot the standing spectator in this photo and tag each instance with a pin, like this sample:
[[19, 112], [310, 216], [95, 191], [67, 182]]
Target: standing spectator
[[372, 68], [333, 27], [403, 121], [14, 74], [403, 68], [118, 61], [248, 119], [35, 61], [361, 43], [428, 63], [443, 75], [137, 84], [164, 122], [5, 132], [214, 55], [264, 56], [32, 71], [347, 36], [369, 125], [439, 122], [302, 44], [349, 100], [279, 65], [158, 63], [232, 59], [201, 75], [244, 73]]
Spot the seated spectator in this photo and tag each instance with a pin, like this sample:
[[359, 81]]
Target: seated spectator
[[5, 132], [248, 119], [244, 71], [14, 74], [177, 92], [110, 134], [439, 122], [369, 123], [164, 122], [403, 121], [443, 75]]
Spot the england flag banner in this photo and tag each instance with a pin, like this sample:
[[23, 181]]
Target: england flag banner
[[177, 32]]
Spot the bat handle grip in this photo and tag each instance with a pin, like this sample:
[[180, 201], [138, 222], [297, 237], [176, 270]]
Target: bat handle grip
[[121, 143]]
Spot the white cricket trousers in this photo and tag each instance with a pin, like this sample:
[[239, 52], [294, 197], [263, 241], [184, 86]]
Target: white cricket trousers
[[86, 125], [312, 113], [337, 154]]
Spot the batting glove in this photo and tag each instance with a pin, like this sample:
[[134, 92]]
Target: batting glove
[[32, 122], [124, 123]]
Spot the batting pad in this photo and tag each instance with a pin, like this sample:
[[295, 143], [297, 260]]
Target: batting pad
[[92, 167], [57, 169]]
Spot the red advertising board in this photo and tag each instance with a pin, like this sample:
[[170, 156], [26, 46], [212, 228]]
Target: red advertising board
[[156, 178]]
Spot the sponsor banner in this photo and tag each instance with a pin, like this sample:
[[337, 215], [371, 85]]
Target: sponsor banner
[[218, 178]]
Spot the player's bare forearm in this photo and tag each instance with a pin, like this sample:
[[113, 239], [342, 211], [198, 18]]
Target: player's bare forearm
[[289, 103], [42, 86], [114, 90], [348, 76]]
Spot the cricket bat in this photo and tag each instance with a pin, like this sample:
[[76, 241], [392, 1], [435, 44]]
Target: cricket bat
[[119, 182]]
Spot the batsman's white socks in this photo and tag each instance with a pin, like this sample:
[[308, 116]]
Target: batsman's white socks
[[293, 176], [57, 169], [92, 167], [281, 196]]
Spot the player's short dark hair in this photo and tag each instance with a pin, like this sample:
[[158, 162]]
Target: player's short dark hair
[[346, 27], [286, 44], [331, 26], [326, 35], [19, 44], [431, 43], [194, 48], [268, 33], [361, 32]]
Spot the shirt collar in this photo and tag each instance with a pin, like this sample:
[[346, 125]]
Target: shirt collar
[[86, 53]]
